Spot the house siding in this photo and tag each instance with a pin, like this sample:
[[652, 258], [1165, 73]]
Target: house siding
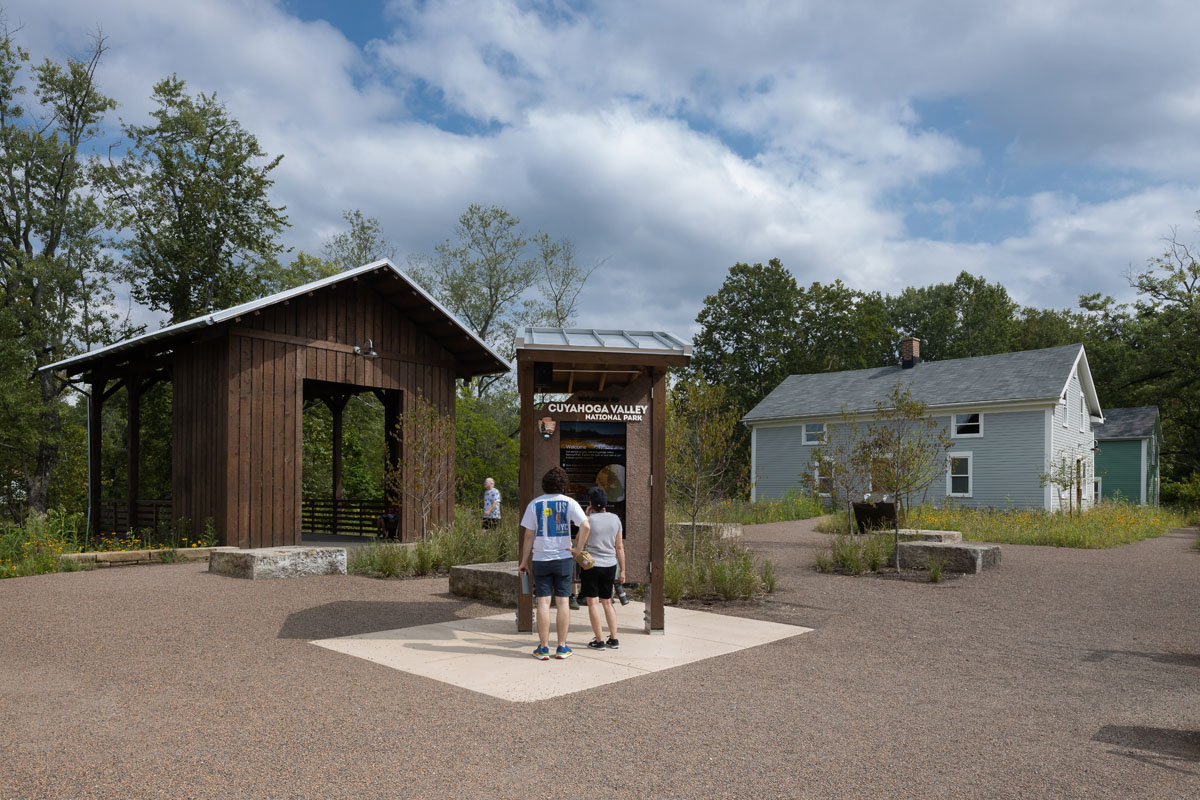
[[1006, 460], [780, 459], [1071, 443], [1119, 466]]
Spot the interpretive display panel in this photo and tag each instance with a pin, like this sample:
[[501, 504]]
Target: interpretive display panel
[[593, 454]]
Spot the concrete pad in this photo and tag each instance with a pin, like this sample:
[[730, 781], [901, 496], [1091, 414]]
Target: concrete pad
[[488, 656]]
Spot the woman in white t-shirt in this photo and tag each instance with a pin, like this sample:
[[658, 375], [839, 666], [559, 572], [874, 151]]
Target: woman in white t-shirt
[[605, 543]]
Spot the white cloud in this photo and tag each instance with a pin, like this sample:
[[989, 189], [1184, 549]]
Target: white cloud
[[675, 139]]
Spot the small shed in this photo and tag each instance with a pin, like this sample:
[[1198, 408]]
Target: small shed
[[241, 377], [594, 403], [1127, 458]]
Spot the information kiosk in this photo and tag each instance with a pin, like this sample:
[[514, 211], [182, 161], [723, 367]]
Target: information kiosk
[[594, 403]]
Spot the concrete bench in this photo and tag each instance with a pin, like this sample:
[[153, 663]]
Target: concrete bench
[[278, 562], [492, 583], [954, 556]]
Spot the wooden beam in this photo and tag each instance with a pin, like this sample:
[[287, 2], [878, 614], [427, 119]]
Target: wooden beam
[[95, 427], [525, 388], [658, 498], [134, 434]]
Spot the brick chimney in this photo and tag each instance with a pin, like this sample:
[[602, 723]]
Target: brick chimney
[[910, 352]]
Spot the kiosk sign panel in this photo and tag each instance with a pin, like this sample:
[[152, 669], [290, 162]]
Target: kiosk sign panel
[[593, 454]]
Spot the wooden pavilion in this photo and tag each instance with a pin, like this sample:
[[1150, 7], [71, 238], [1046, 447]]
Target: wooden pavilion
[[241, 378]]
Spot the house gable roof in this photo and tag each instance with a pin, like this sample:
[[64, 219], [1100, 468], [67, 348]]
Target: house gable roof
[[1129, 423], [1027, 376], [476, 357]]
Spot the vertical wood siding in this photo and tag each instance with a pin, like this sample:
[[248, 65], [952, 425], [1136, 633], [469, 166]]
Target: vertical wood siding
[[239, 403]]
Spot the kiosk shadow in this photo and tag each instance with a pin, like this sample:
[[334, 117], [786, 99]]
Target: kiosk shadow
[[1162, 747], [1174, 659], [355, 617]]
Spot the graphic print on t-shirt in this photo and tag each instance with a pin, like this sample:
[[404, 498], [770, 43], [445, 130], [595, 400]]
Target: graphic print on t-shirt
[[552, 518]]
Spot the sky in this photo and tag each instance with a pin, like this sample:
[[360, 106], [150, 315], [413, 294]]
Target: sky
[[1049, 146]]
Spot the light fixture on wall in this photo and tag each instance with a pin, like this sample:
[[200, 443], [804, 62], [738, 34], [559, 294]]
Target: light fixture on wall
[[368, 351]]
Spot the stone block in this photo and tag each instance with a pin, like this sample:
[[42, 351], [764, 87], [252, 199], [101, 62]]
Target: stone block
[[918, 535], [492, 583], [277, 562], [954, 556]]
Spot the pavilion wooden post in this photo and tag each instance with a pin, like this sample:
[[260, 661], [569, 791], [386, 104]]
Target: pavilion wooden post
[[526, 477], [95, 418], [394, 443], [337, 405], [133, 387], [658, 498]]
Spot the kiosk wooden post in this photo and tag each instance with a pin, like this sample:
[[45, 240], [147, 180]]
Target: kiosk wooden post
[[603, 419]]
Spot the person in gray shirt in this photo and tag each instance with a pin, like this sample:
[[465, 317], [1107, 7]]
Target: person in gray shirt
[[605, 543]]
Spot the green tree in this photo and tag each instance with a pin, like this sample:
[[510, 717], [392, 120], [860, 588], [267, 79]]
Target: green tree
[[700, 426], [192, 193], [1166, 333], [484, 446], [486, 277], [361, 243], [841, 465], [748, 332], [54, 276], [842, 328], [969, 317]]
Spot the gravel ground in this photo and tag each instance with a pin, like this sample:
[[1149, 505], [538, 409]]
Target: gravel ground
[[1064, 673]]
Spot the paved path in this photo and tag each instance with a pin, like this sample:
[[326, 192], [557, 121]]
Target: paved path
[[1064, 673]]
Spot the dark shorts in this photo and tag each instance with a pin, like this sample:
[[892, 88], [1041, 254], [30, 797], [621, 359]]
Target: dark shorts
[[597, 582], [553, 578], [490, 522]]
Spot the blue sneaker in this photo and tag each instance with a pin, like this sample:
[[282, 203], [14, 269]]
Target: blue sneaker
[[542, 653], [562, 652]]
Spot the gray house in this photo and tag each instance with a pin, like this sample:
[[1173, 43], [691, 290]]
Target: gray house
[[1012, 417], [1127, 462]]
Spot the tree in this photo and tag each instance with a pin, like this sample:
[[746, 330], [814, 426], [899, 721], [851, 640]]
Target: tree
[[486, 279], [907, 450], [969, 317], [841, 328], [362, 243], [196, 202], [54, 275], [841, 465], [700, 426], [425, 475], [748, 333], [484, 446], [1166, 334], [562, 279]]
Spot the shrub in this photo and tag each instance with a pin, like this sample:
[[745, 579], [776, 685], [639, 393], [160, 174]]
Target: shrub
[[856, 554], [935, 570], [722, 568]]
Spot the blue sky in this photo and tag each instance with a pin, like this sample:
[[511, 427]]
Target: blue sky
[[1048, 145]]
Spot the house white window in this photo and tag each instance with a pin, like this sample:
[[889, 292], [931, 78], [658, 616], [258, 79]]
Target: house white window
[[960, 475], [814, 432], [967, 425], [823, 478], [1062, 405], [1083, 414], [1097, 492]]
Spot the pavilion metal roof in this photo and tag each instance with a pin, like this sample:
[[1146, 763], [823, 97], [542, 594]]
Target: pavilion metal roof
[[485, 360], [601, 340]]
